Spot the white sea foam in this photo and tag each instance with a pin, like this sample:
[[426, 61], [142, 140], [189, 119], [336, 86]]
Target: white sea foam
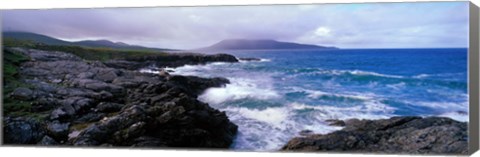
[[148, 71], [443, 105], [261, 60], [421, 76], [369, 110], [239, 88], [354, 72], [359, 72], [275, 116], [318, 94], [265, 60], [396, 86], [268, 129], [315, 94], [463, 117]]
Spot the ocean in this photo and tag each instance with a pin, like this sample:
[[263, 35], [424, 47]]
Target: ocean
[[288, 91]]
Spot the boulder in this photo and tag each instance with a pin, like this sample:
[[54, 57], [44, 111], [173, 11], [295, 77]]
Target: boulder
[[22, 131], [413, 135], [58, 130], [194, 85], [22, 93], [108, 107]]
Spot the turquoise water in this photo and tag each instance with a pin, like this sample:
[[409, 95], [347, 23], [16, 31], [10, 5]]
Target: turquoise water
[[293, 90]]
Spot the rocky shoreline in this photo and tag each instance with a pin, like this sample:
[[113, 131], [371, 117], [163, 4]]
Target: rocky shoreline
[[65, 100], [405, 135], [89, 103]]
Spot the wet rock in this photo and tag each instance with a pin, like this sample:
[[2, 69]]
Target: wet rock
[[305, 132], [432, 135], [335, 122], [193, 85], [250, 59]]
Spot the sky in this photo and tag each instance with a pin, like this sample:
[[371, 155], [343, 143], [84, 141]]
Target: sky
[[362, 25]]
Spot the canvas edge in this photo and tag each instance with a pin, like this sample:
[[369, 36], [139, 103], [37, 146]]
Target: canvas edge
[[1, 79], [473, 90]]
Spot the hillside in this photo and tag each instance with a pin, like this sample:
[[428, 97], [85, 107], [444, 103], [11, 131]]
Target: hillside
[[85, 43]]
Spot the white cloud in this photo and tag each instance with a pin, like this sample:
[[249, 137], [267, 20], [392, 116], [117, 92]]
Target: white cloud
[[322, 32]]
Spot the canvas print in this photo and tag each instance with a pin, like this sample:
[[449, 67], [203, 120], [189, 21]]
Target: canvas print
[[360, 77]]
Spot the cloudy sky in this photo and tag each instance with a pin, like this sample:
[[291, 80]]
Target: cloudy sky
[[373, 25]]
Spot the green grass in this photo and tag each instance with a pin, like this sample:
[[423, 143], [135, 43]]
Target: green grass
[[11, 63], [100, 54], [87, 53], [13, 59]]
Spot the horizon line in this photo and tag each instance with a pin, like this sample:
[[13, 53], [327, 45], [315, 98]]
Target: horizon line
[[99, 39]]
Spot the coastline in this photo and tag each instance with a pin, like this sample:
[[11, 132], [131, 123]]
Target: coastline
[[62, 99], [405, 135], [118, 106]]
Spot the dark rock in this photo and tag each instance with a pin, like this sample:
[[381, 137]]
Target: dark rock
[[22, 131], [335, 122], [107, 75], [44, 104], [58, 130], [59, 114], [108, 107], [432, 135], [22, 93], [76, 92], [250, 59], [193, 85], [136, 109], [77, 105], [145, 141], [305, 132], [47, 141], [121, 64], [103, 96], [89, 117]]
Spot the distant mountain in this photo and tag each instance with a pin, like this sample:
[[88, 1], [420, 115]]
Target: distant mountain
[[85, 43], [34, 37], [244, 44]]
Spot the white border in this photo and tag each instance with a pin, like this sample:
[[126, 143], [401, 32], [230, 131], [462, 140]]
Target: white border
[[82, 152], [46, 4]]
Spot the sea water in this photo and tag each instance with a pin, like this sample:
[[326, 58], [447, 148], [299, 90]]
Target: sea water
[[288, 91]]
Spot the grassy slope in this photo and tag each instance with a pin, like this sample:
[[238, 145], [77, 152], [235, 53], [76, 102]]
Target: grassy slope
[[87, 53], [12, 61]]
